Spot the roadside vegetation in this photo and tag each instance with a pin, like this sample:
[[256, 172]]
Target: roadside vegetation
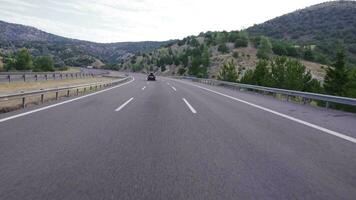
[[23, 61], [273, 63], [36, 85]]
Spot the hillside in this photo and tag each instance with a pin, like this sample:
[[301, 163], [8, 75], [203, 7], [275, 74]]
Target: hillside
[[311, 35], [203, 56], [321, 26], [66, 51]]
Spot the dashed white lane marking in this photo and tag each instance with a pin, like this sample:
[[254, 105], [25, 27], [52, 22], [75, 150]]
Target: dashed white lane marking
[[189, 106], [325, 130], [61, 103], [144, 87], [123, 105], [174, 88]]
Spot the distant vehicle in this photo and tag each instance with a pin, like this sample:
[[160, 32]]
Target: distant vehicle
[[151, 77], [90, 67]]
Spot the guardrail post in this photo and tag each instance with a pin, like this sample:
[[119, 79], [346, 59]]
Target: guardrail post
[[54, 76], [77, 92], [42, 98], [9, 78], [304, 100], [68, 93], [90, 88], [85, 89], [46, 76], [76, 75], [61, 75], [57, 95], [24, 77], [96, 87], [36, 77], [24, 102], [66, 76]]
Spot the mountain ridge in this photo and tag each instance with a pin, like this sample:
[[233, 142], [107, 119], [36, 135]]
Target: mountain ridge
[[326, 25], [67, 51]]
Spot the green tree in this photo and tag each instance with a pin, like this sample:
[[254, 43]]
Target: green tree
[[240, 42], [223, 48], [337, 76], [248, 77], [44, 63], [308, 54], [181, 71], [23, 60], [205, 58], [351, 85], [228, 72], [163, 68], [261, 75], [264, 49]]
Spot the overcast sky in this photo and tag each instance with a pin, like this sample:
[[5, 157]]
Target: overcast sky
[[141, 20]]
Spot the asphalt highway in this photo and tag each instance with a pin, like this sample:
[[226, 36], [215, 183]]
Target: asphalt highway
[[173, 139]]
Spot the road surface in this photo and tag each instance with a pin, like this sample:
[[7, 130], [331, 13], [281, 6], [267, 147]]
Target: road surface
[[174, 139]]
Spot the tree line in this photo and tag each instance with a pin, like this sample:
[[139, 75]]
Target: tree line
[[23, 61], [286, 73]]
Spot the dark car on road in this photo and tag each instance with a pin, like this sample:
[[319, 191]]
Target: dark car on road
[[151, 77]]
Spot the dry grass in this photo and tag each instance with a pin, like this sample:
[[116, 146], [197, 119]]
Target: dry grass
[[14, 104], [73, 70], [27, 86]]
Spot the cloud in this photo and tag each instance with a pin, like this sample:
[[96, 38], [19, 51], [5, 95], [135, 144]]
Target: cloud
[[134, 20]]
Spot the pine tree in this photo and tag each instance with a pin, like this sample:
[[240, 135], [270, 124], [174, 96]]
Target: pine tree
[[264, 49], [261, 75], [337, 77], [351, 85], [228, 72], [23, 60]]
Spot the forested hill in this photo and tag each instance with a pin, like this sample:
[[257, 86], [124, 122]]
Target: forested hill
[[321, 26], [66, 51]]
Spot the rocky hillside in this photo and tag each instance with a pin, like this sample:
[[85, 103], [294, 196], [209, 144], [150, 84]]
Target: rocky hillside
[[321, 26], [203, 56], [66, 51]]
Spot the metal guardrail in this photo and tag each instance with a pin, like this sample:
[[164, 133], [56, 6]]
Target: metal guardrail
[[42, 92], [289, 93], [35, 76]]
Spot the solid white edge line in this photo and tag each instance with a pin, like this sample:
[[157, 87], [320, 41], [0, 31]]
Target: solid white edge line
[[325, 130], [123, 105], [189, 106], [144, 87], [174, 88], [61, 103]]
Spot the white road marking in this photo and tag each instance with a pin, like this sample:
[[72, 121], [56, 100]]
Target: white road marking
[[144, 87], [174, 88], [325, 130], [189, 106], [61, 103], [123, 105]]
